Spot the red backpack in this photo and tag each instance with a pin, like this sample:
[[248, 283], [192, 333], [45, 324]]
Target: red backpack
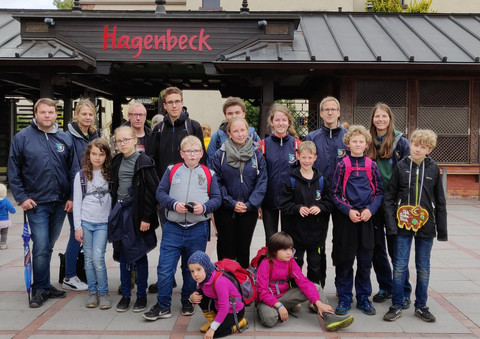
[[208, 175], [262, 254], [239, 276]]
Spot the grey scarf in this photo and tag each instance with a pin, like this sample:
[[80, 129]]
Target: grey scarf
[[238, 157]]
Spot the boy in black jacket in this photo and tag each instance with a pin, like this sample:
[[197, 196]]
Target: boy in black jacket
[[306, 205], [415, 208]]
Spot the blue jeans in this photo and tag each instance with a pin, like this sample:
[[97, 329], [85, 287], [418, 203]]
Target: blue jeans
[[423, 248], [45, 225], [126, 276], [178, 241], [71, 253], [94, 245]]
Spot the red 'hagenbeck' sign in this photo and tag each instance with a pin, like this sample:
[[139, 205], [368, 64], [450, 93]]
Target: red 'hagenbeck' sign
[[166, 42]]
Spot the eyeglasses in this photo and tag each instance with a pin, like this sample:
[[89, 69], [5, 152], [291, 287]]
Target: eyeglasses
[[193, 152], [330, 110], [136, 115], [176, 102], [123, 141]]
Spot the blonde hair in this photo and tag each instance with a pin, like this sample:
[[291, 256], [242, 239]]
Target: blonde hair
[[45, 101], [128, 129], [283, 109], [156, 120], [355, 130], [326, 99], [424, 137], [85, 103], [230, 123], [3, 191], [191, 140], [307, 146]]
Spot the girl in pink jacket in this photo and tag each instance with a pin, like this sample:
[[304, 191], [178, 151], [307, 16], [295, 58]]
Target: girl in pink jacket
[[276, 296], [216, 303]]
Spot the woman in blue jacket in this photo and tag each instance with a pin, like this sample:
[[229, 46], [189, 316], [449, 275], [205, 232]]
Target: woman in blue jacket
[[82, 129], [280, 152], [388, 148], [242, 179]]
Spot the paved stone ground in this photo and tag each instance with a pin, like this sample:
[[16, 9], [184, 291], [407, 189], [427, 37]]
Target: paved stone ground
[[454, 296]]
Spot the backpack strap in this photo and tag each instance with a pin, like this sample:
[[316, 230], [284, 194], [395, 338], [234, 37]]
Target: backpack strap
[[292, 182], [188, 126], [208, 175], [261, 146], [161, 126], [320, 182], [83, 183], [173, 170], [296, 143], [349, 169], [277, 282]]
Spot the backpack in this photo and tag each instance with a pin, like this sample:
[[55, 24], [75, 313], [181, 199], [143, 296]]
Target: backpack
[[83, 183], [296, 143], [239, 276], [349, 169], [208, 174], [188, 126]]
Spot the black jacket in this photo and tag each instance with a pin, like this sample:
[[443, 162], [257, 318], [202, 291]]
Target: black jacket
[[148, 140], [167, 137], [309, 231], [432, 198]]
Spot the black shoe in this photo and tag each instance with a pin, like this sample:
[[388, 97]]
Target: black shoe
[[394, 312], [140, 304], [424, 314], [55, 293], [157, 312], [365, 306], [40, 296], [187, 308], [381, 296], [406, 303], [123, 304], [153, 288]]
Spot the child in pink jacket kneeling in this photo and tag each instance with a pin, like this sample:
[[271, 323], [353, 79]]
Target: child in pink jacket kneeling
[[276, 296], [216, 303]]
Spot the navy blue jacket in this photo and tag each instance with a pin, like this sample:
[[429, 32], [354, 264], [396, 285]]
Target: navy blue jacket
[[80, 142], [41, 166], [330, 148], [254, 186], [280, 154]]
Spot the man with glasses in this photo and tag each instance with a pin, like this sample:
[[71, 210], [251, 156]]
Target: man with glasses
[[137, 119], [40, 173], [330, 150]]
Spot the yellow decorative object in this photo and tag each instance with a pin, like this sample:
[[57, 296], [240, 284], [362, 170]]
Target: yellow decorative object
[[412, 217]]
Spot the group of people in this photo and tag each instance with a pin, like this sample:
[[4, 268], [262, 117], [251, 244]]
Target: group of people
[[382, 191]]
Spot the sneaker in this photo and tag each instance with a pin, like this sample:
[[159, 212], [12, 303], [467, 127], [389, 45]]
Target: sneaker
[[153, 288], [296, 308], [123, 304], [92, 300], [342, 308], [157, 312], [424, 314], [187, 308], [365, 306], [312, 307], [381, 296], [105, 302], [40, 296], [3, 247], [140, 304], [335, 322], [406, 303], [394, 312], [56, 293], [74, 284]]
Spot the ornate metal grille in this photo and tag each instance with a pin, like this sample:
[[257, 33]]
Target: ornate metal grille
[[445, 120], [451, 150], [451, 93], [391, 92]]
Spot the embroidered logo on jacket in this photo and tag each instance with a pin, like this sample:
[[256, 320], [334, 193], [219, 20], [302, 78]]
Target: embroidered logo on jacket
[[60, 147], [341, 152]]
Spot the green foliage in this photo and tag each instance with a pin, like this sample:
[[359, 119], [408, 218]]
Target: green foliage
[[63, 4], [252, 115], [419, 7], [395, 6]]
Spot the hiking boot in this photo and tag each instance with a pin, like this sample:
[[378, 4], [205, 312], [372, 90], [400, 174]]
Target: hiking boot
[[92, 300], [365, 306], [335, 322], [123, 304], [74, 284], [424, 314], [187, 308], [210, 316], [242, 325], [105, 302], [140, 304], [342, 308], [55, 293], [157, 312], [381, 296], [406, 303], [394, 312], [38, 299]]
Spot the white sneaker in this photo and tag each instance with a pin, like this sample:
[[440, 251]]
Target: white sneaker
[[74, 284]]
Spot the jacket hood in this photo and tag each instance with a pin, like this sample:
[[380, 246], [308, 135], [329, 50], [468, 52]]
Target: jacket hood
[[52, 131], [180, 121], [298, 175], [223, 126]]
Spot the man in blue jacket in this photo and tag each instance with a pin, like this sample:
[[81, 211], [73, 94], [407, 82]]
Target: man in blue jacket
[[40, 175]]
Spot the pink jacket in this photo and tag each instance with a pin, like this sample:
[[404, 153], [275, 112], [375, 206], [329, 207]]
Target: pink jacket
[[225, 289], [267, 288]]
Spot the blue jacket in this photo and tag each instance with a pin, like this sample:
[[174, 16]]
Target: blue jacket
[[254, 186], [280, 154], [358, 191], [41, 166], [220, 136], [330, 148], [80, 142], [5, 207]]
